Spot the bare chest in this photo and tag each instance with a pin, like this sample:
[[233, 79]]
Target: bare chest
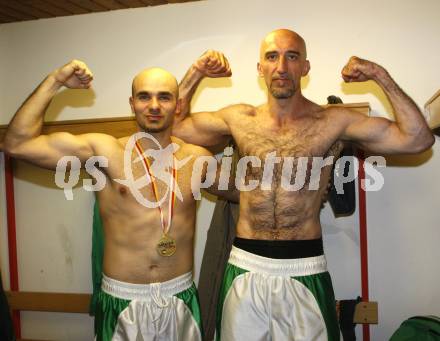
[[292, 165], [305, 144], [260, 137], [135, 184]]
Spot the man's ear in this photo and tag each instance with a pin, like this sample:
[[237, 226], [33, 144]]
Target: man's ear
[[260, 70], [130, 100], [306, 69]]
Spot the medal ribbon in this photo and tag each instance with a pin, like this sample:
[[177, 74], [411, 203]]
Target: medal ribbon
[[173, 181]]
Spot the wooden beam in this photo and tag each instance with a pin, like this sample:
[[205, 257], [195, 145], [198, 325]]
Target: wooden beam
[[155, 2], [68, 6], [7, 19], [25, 8], [90, 5], [181, 1], [15, 14], [117, 127], [110, 4], [48, 301], [363, 107], [133, 3], [432, 109], [126, 126], [55, 11]]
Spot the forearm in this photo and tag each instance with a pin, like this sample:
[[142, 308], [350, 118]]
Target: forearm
[[28, 120], [187, 88], [408, 116], [224, 187]]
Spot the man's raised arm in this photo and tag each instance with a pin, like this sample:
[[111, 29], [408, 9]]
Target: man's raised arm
[[23, 139], [408, 134], [206, 128], [212, 64]]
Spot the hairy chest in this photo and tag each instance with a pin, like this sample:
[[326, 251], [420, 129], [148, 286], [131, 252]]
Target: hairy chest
[[302, 145]]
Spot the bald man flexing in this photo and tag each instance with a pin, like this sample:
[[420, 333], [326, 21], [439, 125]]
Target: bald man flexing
[[147, 288], [276, 285]]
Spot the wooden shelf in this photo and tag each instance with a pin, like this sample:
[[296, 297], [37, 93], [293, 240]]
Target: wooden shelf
[[48, 301], [432, 111], [125, 126]]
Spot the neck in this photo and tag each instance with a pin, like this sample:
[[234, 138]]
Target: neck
[[286, 108]]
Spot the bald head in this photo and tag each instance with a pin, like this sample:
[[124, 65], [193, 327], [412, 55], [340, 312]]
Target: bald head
[[155, 80], [283, 37]]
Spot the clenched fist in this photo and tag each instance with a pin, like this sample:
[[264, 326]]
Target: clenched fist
[[213, 64], [74, 75], [360, 70]]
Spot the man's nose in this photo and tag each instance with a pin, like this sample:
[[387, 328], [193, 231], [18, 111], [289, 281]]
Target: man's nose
[[154, 104], [282, 65]]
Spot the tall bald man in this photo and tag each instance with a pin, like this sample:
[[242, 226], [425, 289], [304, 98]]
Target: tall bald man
[[147, 288], [276, 285]]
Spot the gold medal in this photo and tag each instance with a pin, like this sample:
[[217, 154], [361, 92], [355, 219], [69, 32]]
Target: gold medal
[[166, 246]]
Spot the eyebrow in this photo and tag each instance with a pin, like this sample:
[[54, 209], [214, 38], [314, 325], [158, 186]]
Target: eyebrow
[[294, 52], [165, 93], [288, 51]]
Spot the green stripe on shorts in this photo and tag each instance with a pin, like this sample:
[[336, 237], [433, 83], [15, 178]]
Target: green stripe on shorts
[[231, 273]]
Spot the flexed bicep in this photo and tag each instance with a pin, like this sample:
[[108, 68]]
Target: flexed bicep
[[409, 133], [46, 150], [23, 139]]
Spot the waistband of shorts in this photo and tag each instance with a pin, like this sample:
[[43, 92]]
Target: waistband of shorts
[[278, 267], [131, 291], [281, 249]]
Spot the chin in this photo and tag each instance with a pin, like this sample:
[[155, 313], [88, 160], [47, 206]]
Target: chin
[[282, 93], [154, 129]]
